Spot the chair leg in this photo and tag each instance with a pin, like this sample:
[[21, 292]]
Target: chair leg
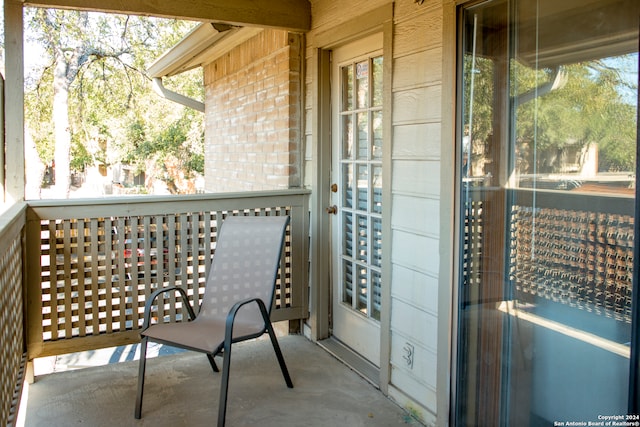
[[143, 362], [212, 362], [276, 348], [224, 385]]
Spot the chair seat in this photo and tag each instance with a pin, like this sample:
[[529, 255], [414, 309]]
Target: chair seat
[[201, 335]]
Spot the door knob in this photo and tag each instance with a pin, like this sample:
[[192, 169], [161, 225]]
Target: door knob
[[332, 210]]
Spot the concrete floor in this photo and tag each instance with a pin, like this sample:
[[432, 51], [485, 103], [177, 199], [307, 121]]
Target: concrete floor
[[181, 390]]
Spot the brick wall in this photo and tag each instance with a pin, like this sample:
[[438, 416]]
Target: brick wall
[[253, 115]]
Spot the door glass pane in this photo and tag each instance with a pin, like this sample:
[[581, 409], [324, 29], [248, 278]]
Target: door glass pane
[[363, 187], [347, 225], [362, 303], [347, 185], [347, 88], [377, 81], [347, 282], [362, 82], [376, 255], [377, 135], [377, 190], [347, 265], [376, 281], [363, 136], [347, 136], [362, 239], [547, 168]]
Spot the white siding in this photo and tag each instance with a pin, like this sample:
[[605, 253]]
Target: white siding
[[422, 374], [416, 177], [417, 214], [416, 141], [416, 325], [422, 105], [417, 100], [415, 251], [410, 325], [427, 64], [419, 287]]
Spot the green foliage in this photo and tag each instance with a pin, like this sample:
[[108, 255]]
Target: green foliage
[[195, 163], [136, 133], [113, 111], [80, 157], [38, 108], [181, 141]]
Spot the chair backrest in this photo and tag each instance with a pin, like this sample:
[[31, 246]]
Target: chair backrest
[[245, 265]]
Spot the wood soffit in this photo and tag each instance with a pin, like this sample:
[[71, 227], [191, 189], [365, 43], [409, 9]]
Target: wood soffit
[[292, 15]]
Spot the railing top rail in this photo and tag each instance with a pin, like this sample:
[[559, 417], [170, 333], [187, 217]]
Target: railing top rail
[[11, 223], [10, 215], [141, 205]]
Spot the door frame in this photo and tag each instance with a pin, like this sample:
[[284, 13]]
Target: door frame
[[377, 20]]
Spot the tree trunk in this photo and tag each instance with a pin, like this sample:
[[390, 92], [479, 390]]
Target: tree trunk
[[34, 168], [62, 131]]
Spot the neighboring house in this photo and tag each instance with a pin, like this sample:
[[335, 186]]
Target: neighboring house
[[468, 295]]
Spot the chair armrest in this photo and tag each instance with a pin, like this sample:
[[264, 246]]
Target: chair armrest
[[154, 296], [231, 316]]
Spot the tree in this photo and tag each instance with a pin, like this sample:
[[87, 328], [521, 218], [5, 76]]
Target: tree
[[93, 84], [173, 155]]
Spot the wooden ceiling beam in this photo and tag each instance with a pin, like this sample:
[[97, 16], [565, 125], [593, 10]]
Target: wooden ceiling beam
[[292, 15]]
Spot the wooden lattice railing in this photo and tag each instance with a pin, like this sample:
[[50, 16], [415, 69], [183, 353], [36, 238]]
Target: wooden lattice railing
[[93, 263], [12, 338]]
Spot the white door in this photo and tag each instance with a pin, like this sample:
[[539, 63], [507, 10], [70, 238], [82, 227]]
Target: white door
[[357, 195]]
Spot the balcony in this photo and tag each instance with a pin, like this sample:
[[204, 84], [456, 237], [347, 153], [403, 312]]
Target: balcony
[[75, 276]]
